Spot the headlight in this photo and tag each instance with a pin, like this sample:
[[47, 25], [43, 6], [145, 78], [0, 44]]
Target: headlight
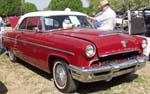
[[144, 44], [90, 50]]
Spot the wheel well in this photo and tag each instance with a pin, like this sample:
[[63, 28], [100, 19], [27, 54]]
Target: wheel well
[[51, 61]]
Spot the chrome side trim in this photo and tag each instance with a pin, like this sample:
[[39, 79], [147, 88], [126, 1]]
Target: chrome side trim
[[42, 46], [107, 72]]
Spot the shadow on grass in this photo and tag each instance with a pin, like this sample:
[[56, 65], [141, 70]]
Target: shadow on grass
[[36, 70], [3, 88], [86, 88]]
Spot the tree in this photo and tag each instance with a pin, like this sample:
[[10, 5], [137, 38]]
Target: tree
[[75, 5], [117, 4], [15, 7], [10, 7], [122, 5], [94, 5], [136, 4], [88, 11], [29, 7]]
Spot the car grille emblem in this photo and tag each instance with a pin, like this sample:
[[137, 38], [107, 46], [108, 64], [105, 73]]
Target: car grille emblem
[[124, 44]]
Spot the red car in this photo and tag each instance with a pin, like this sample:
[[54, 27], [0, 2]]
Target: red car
[[65, 44]]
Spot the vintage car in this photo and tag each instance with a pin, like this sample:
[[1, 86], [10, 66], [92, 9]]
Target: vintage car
[[65, 44]]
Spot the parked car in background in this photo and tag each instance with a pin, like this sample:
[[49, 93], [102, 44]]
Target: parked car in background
[[11, 21], [65, 44], [137, 23], [119, 18], [146, 13]]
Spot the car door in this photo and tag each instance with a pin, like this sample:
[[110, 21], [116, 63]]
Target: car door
[[27, 44]]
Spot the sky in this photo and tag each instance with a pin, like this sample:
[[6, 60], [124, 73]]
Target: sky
[[41, 4]]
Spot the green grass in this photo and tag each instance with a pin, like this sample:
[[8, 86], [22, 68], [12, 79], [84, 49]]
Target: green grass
[[140, 80], [4, 58], [18, 78]]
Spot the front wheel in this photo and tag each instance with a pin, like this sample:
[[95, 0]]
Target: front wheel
[[62, 77]]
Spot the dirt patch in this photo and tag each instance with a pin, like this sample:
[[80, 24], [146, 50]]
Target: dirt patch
[[22, 78]]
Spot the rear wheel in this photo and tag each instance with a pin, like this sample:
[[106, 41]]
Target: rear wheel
[[11, 55], [62, 77]]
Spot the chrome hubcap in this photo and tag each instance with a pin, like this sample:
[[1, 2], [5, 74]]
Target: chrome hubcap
[[60, 75]]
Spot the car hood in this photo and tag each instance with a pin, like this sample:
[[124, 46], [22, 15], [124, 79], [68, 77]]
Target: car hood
[[106, 42]]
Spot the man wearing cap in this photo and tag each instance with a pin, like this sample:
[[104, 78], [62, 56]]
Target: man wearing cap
[[107, 19]]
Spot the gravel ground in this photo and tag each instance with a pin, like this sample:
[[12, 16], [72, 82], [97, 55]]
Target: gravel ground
[[22, 78]]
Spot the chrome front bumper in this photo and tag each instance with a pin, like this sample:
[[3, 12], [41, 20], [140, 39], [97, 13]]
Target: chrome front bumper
[[107, 72]]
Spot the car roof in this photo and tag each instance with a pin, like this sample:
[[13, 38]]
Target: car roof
[[49, 13], [52, 13]]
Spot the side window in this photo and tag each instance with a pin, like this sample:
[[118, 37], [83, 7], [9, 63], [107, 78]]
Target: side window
[[30, 23], [23, 24], [51, 23]]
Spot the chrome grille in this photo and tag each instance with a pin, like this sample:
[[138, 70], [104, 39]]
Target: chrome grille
[[119, 56], [115, 58]]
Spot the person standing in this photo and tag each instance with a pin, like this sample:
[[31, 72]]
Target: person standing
[[95, 22], [107, 18], [1, 32]]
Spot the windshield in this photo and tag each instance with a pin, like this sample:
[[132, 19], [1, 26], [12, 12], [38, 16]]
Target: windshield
[[56, 22]]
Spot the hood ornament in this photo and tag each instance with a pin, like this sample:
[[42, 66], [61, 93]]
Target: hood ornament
[[124, 44]]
